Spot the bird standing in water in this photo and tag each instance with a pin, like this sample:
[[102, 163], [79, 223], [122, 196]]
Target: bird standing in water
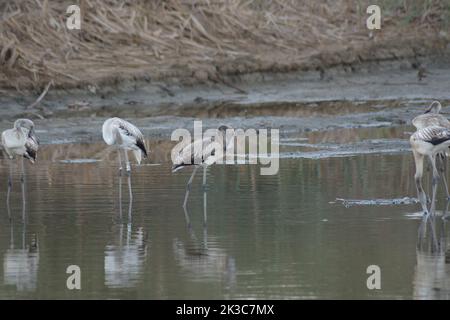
[[200, 153], [428, 142], [20, 141], [125, 136], [432, 117]]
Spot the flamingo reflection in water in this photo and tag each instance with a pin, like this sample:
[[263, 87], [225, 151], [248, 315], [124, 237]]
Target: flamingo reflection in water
[[432, 273], [125, 259], [21, 263], [202, 262]]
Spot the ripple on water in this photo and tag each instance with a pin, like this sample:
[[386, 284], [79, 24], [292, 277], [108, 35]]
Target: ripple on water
[[77, 161]]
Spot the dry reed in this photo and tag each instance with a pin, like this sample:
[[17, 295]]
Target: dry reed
[[197, 40]]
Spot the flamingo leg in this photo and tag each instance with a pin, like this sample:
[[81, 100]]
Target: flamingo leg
[[8, 193], [130, 191], [446, 213], [422, 229], [10, 173], [204, 177], [205, 216], [119, 157], [434, 239], [127, 162], [129, 228], [418, 159], [24, 231], [435, 182], [188, 186], [22, 181], [205, 213], [205, 237], [121, 235], [442, 165], [11, 240], [120, 195], [187, 218]]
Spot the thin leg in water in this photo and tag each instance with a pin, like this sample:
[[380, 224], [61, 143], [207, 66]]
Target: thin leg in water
[[441, 158], [418, 159], [434, 239], [24, 231], [11, 163], [205, 212], [119, 157], [120, 184], [205, 215], [188, 186], [435, 182], [446, 213], [130, 191], [11, 241], [205, 237], [187, 218], [120, 197], [121, 235], [129, 228], [422, 229], [8, 193], [127, 162], [22, 181], [204, 177]]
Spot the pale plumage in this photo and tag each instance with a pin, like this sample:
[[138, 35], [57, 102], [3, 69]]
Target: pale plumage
[[196, 153], [431, 117], [433, 136], [428, 142], [21, 140], [126, 136]]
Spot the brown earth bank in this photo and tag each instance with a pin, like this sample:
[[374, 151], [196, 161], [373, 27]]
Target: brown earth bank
[[202, 42]]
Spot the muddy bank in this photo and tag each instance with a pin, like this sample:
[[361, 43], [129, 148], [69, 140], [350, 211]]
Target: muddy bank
[[370, 96], [262, 94]]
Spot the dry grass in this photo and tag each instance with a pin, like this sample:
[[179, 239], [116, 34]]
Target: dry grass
[[199, 40]]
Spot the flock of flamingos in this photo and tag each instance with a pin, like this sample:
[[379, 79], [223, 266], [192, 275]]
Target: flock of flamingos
[[21, 141], [431, 140]]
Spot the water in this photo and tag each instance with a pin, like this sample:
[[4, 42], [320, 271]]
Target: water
[[282, 236]]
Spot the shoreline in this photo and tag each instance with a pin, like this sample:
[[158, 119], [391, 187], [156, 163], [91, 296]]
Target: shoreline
[[390, 80], [371, 95]]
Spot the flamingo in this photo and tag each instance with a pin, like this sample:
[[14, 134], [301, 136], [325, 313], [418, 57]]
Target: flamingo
[[20, 141], [200, 153], [125, 136], [432, 117], [428, 142]]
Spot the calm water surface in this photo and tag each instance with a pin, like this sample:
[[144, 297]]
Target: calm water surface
[[281, 236]]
